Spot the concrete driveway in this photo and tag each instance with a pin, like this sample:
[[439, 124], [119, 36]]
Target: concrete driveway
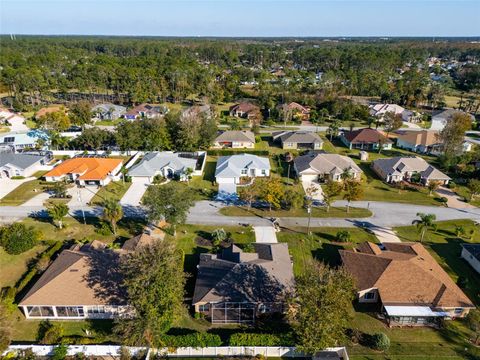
[[453, 200], [81, 196], [134, 194], [37, 200], [8, 185], [319, 192]]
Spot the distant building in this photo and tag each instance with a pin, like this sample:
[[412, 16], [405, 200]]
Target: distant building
[[366, 139], [148, 111], [21, 140], [235, 139], [440, 118], [108, 111], [297, 110], [244, 110], [25, 165], [298, 140]]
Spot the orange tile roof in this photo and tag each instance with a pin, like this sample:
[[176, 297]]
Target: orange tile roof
[[89, 168]]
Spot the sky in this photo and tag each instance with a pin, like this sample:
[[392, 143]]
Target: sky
[[248, 18]]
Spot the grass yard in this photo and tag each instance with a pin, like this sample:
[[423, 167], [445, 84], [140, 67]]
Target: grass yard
[[14, 266], [114, 190], [445, 247], [204, 184], [108, 122], [335, 212], [464, 192], [24, 192]]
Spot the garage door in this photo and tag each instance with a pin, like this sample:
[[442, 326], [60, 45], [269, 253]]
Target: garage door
[[140, 180]]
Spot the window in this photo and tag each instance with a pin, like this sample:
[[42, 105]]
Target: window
[[264, 172], [244, 171], [9, 139], [70, 311], [204, 307], [40, 311], [458, 311], [369, 296]]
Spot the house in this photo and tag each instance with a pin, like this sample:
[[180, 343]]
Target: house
[[298, 140], [20, 140], [234, 286], [323, 167], [299, 111], [198, 110], [366, 139], [49, 109], [25, 165], [86, 170], [235, 139], [471, 253], [244, 110], [148, 111], [108, 111], [406, 281], [83, 282], [166, 164], [399, 168], [231, 169], [379, 110], [440, 118], [424, 141]]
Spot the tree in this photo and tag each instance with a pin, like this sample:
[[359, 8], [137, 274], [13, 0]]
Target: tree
[[155, 290], [94, 139], [248, 194], [18, 238], [433, 186], [292, 199], [453, 134], [333, 128], [352, 191], [392, 122], [473, 322], [60, 352], [218, 236], [112, 212], [426, 222], [56, 120], [330, 190], [474, 186], [322, 301], [57, 212], [270, 190], [169, 202], [80, 113], [59, 189], [343, 236]]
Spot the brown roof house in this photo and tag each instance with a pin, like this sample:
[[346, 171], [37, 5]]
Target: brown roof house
[[325, 167], [424, 141], [83, 282], [146, 111], [298, 111], [234, 286], [407, 168], [244, 110], [411, 287], [235, 139], [366, 139], [298, 140]]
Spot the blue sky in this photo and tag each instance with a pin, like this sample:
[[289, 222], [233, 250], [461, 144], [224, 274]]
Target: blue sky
[[242, 18]]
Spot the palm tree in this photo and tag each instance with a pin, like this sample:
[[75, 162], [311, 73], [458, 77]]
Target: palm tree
[[426, 221], [333, 129], [57, 212], [112, 212]]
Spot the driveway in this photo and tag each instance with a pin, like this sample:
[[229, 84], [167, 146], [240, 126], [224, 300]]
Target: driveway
[[453, 200], [81, 196], [265, 234], [17, 123], [319, 192], [384, 234], [8, 185], [134, 194], [37, 200]]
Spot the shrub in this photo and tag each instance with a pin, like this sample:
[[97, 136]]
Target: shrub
[[195, 340], [343, 236], [380, 341], [452, 185], [49, 333], [259, 339], [60, 352], [18, 238], [104, 229], [17, 177]]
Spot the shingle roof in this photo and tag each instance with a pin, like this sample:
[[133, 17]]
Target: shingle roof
[[304, 137], [21, 161], [366, 136], [155, 161], [90, 168], [236, 135], [231, 166], [244, 107], [325, 163], [411, 164], [422, 137], [404, 274], [263, 276]]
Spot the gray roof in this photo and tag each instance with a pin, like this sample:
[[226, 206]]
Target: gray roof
[[21, 161], [473, 249], [153, 162], [398, 165], [107, 106], [232, 275], [448, 113], [304, 137], [236, 135], [231, 166], [325, 163]]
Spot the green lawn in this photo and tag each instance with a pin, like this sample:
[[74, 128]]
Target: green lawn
[[14, 266], [204, 184], [335, 212], [114, 190], [466, 194], [24, 192], [445, 247], [108, 122]]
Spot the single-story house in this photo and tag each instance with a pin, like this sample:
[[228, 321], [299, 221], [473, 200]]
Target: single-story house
[[298, 140], [440, 118], [235, 139], [146, 111], [20, 140], [198, 110], [230, 169], [471, 253], [379, 110], [83, 282], [166, 164], [244, 110], [108, 111], [322, 167], [25, 165], [299, 111], [399, 168], [406, 281], [234, 286], [366, 139], [86, 170], [423, 141]]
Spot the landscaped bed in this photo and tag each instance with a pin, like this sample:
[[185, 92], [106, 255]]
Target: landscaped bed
[[335, 212]]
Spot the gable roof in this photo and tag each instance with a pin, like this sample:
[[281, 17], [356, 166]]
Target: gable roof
[[325, 163], [236, 136], [83, 275], [106, 107], [366, 136], [244, 107], [448, 113], [304, 137], [404, 274], [231, 166], [20, 161], [380, 109], [89, 168], [233, 275], [422, 137], [147, 108], [153, 162], [399, 165]]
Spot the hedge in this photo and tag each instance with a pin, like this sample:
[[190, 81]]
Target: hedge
[[257, 339], [227, 152], [195, 340]]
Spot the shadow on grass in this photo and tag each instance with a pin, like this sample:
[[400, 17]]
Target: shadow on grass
[[190, 267], [328, 253]]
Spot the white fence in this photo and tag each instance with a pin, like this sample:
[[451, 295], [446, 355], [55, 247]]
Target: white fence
[[72, 153], [111, 350]]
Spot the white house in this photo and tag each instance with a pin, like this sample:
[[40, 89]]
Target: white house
[[20, 140], [471, 253], [440, 118], [21, 164], [108, 111]]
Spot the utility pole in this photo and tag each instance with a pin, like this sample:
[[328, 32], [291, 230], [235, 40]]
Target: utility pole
[[81, 205]]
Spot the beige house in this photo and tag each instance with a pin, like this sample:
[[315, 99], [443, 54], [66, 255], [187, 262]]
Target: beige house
[[323, 167], [411, 287], [235, 139], [298, 140]]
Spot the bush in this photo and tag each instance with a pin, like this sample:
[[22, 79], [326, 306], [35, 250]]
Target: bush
[[18, 238], [17, 177], [49, 333], [195, 340], [343, 236], [451, 185], [60, 352], [104, 229], [258, 339], [380, 341]]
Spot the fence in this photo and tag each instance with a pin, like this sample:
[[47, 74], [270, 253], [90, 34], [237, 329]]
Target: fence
[[185, 352]]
